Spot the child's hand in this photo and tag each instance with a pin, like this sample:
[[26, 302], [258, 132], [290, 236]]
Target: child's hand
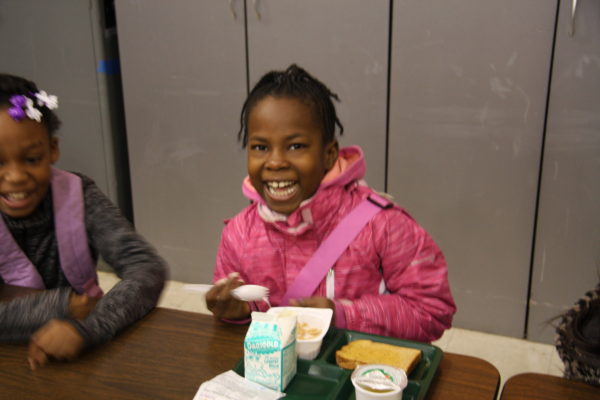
[[220, 302], [57, 339], [317, 302], [80, 305]]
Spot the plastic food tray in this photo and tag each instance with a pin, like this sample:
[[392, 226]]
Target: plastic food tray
[[321, 378]]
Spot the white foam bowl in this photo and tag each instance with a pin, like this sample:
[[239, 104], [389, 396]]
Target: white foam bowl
[[319, 318]]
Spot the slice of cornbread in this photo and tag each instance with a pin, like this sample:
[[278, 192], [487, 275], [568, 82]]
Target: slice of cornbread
[[360, 352]]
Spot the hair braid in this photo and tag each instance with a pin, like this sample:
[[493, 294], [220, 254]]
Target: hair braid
[[294, 82]]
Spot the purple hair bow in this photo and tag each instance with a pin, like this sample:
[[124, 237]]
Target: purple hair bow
[[23, 106], [18, 102]]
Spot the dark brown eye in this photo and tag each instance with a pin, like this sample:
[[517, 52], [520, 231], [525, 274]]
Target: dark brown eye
[[33, 160]]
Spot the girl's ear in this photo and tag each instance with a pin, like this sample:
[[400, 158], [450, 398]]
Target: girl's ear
[[54, 150], [331, 154]]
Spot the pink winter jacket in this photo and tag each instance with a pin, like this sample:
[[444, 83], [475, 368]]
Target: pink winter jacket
[[270, 249]]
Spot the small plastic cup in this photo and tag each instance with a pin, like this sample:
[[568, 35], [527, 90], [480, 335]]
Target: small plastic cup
[[317, 322], [365, 377]]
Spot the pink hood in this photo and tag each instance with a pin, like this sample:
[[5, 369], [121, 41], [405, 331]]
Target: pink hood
[[349, 168]]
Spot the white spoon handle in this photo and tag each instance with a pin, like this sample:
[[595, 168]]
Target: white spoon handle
[[266, 300]]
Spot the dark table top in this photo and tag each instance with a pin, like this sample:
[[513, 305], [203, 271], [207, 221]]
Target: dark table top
[[169, 353], [533, 386]]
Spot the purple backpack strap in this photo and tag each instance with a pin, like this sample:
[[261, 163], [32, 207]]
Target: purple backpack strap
[[15, 267], [69, 222], [333, 246]]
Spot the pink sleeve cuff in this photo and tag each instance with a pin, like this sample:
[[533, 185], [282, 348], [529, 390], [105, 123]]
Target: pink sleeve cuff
[[340, 315]]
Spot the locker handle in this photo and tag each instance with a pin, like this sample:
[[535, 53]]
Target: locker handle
[[573, 10], [256, 11], [232, 9]]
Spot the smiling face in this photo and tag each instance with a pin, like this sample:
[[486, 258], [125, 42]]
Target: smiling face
[[287, 158], [27, 153]]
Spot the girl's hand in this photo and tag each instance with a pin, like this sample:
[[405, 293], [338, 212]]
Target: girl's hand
[[80, 305], [316, 302], [220, 302], [57, 339]]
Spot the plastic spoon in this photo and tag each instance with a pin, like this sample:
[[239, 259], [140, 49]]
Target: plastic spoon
[[251, 293]]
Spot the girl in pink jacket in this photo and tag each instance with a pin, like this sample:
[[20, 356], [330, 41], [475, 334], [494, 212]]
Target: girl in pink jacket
[[391, 280]]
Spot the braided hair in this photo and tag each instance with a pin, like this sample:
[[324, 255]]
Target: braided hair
[[578, 339], [11, 85], [296, 83]]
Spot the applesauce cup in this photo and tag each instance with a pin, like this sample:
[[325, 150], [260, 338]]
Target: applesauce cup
[[379, 382]]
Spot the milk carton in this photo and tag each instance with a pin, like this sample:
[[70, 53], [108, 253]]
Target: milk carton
[[270, 349]]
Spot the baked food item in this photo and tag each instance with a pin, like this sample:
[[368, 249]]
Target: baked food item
[[360, 352]]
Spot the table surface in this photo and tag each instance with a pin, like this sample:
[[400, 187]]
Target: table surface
[[532, 386], [169, 353]]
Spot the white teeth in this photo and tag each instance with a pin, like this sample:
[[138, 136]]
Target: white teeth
[[281, 189], [280, 184], [281, 193], [16, 195]]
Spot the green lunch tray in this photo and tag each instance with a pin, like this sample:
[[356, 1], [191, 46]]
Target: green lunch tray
[[321, 378]]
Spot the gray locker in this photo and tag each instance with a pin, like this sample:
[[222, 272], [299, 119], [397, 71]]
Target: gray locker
[[184, 81], [467, 101], [567, 246]]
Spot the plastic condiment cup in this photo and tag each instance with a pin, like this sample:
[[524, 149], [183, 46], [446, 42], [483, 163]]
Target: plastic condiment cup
[[395, 377]]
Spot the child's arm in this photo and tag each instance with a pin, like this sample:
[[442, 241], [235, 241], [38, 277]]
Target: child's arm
[[58, 339], [141, 269], [419, 304], [226, 278], [22, 316]]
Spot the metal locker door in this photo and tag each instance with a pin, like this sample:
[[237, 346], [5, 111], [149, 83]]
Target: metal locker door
[[184, 81], [567, 247], [468, 96]]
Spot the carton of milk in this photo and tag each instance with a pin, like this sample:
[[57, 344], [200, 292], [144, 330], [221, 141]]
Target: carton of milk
[[270, 349]]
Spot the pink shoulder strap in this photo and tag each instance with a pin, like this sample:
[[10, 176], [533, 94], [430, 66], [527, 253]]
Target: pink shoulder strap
[[69, 216], [333, 246], [15, 267]]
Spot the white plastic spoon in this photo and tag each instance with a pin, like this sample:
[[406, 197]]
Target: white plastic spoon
[[251, 293]]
